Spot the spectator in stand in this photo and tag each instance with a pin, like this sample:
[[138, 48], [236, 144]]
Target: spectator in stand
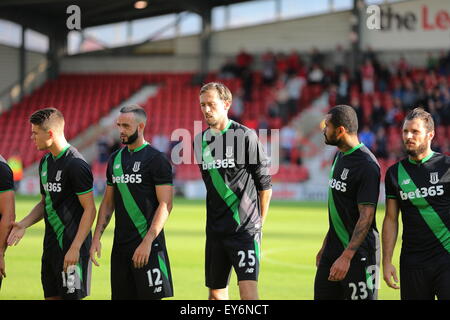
[[431, 79], [294, 87], [368, 77], [355, 103], [263, 123], [282, 65], [238, 105], [402, 67], [228, 70], [395, 115], [383, 77], [343, 88], [282, 99], [367, 137], [315, 75], [247, 84], [293, 62], [103, 149], [161, 142], [288, 137], [432, 62], [381, 144], [378, 115], [338, 59], [408, 96], [370, 55], [316, 57], [268, 67], [243, 61]]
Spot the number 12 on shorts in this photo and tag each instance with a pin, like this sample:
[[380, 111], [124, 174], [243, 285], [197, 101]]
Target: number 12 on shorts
[[156, 280]]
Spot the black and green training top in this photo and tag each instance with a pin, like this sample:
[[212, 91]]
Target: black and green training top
[[234, 168], [62, 179], [134, 176], [422, 190], [6, 176], [354, 180]]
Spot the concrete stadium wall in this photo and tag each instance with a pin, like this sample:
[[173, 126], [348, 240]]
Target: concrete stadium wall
[[9, 62], [301, 34]]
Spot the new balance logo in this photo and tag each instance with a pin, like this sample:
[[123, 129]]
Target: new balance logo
[[406, 181], [157, 289], [250, 270]]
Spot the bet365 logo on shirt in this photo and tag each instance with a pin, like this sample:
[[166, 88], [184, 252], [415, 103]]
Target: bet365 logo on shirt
[[423, 192], [217, 164], [52, 187], [127, 178]]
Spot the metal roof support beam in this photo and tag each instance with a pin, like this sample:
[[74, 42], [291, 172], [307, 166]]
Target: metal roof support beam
[[205, 40]]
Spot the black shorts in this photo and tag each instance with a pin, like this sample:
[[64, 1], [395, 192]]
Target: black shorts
[[75, 284], [152, 282], [360, 283], [241, 251], [425, 283]]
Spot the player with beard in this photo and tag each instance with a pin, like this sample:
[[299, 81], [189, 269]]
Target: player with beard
[[235, 170], [139, 190], [419, 187], [348, 262]]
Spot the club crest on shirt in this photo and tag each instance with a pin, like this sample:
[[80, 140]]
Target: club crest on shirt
[[344, 174], [434, 177], [117, 166], [136, 166], [58, 175], [229, 152]]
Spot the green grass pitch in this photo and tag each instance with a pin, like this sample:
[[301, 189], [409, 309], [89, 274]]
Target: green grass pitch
[[291, 238]]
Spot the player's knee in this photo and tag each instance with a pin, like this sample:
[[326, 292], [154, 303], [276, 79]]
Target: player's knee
[[218, 294], [248, 290]]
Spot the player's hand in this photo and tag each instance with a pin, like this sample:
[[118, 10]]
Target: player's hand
[[16, 234], [96, 248], [389, 272], [141, 255], [318, 257], [2, 266], [71, 258], [339, 269]]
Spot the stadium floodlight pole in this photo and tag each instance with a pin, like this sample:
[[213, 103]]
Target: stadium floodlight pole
[[356, 35]]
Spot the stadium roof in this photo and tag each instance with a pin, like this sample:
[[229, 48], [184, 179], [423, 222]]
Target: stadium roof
[[45, 15]]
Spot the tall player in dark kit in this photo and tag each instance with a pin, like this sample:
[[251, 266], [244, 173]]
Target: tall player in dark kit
[[419, 187], [235, 169], [348, 262], [7, 214], [67, 206], [140, 192]]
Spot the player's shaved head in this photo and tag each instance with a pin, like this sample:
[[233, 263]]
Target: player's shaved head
[[48, 119], [345, 116], [222, 91], [139, 113]]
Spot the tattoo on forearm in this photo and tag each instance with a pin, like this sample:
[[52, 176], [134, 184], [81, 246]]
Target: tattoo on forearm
[[361, 229]]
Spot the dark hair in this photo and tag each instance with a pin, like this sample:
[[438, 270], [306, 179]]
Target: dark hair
[[138, 111], [223, 92], [420, 113], [345, 116], [47, 118]]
